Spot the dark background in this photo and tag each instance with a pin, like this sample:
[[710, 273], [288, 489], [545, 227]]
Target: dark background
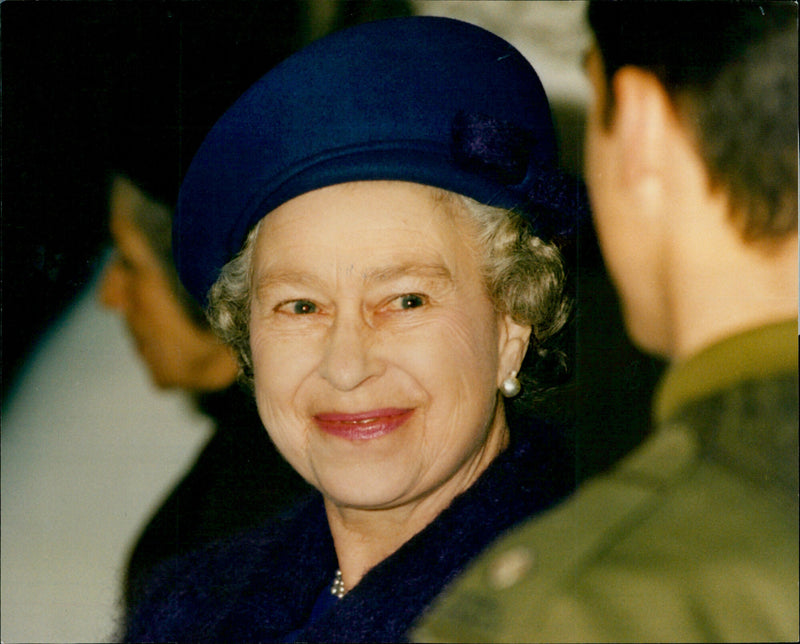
[[88, 84], [74, 75], [85, 84]]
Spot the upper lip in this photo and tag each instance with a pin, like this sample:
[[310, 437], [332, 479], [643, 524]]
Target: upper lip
[[359, 417]]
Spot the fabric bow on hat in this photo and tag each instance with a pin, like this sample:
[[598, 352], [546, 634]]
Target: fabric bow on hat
[[486, 145]]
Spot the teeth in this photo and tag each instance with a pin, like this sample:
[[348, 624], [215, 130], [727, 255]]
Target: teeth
[[365, 421], [361, 421]]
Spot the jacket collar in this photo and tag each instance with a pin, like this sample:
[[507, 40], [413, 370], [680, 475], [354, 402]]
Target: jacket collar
[[752, 355]]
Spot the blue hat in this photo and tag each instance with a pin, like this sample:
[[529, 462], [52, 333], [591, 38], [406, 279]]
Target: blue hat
[[430, 100]]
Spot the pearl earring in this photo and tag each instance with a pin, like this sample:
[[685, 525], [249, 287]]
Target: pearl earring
[[511, 385]]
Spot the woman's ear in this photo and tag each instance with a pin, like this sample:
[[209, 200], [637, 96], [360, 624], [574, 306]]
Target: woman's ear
[[514, 339]]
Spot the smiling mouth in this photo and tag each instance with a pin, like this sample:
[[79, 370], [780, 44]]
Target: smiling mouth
[[363, 425]]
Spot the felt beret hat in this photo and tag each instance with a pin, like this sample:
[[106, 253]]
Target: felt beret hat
[[430, 100]]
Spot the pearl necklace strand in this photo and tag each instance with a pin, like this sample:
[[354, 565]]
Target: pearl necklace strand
[[338, 588]]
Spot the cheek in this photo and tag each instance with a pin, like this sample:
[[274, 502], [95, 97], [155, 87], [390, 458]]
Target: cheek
[[458, 372], [457, 361], [280, 358], [472, 345], [144, 316], [150, 302], [281, 366], [273, 366]]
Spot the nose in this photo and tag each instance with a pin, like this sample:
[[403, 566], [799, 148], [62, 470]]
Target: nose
[[350, 356], [111, 292]]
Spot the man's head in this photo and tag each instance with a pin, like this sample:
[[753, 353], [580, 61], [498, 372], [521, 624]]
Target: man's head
[[168, 328], [730, 69], [695, 111]]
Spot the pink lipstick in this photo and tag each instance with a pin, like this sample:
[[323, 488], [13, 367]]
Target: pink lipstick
[[363, 425]]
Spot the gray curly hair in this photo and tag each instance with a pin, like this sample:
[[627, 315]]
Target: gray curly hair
[[523, 275]]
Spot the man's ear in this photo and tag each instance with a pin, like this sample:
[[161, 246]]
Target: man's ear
[[514, 338], [643, 113]]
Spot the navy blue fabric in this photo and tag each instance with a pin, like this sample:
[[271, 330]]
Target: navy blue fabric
[[325, 602], [262, 586], [430, 100], [238, 481]]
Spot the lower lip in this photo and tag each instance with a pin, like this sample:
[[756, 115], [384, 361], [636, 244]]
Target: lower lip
[[360, 427]]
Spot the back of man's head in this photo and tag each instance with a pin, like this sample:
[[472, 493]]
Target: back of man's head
[[730, 69]]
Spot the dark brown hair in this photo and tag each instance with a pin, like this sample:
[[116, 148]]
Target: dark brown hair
[[731, 72]]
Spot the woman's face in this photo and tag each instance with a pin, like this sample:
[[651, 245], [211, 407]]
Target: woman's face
[[178, 352], [377, 352]]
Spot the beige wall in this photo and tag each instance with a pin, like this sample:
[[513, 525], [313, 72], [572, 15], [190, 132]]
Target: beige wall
[[553, 35]]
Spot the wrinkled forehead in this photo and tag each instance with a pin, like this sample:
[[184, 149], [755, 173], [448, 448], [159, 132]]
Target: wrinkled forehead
[[377, 228]]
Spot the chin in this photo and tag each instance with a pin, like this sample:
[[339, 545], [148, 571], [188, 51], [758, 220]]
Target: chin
[[370, 490], [161, 377], [164, 385], [164, 381]]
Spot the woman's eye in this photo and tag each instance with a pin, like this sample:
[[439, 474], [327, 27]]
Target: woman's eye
[[410, 301], [299, 307]]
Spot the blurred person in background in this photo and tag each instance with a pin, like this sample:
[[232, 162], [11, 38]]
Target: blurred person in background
[[239, 478], [691, 163]]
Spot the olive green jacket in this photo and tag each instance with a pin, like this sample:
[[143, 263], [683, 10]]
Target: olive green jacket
[[693, 537]]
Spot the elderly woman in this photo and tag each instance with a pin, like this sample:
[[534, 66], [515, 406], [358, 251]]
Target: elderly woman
[[369, 226]]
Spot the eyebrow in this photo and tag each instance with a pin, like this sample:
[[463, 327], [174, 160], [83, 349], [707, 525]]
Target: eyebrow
[[281, 277], [377, 275], [412, 269]]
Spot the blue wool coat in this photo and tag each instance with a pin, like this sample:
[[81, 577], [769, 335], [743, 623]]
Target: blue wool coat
[[261, 586]]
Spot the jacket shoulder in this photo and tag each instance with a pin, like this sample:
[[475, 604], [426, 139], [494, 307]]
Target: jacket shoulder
[[717, 556]]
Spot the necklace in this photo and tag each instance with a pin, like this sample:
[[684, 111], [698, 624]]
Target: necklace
[[338, 585]]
